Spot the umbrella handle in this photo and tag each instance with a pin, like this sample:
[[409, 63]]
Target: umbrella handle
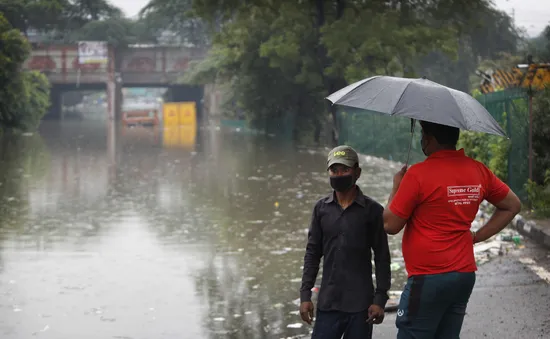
[[413, 124]]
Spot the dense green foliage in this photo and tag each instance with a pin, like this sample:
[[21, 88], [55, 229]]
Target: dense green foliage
[[492, 150], [539, 188], [539, 196], [57, 17], [24, 96], [541, 134], [176, 16], [299, 52], [539, 47]]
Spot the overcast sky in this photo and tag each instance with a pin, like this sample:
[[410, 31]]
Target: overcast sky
[[533, 15]]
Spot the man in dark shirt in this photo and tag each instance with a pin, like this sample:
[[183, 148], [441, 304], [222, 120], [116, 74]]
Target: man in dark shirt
[[345, 226]]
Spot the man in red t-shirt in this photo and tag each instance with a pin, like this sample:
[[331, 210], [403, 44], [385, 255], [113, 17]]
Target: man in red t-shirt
[[437, 200]]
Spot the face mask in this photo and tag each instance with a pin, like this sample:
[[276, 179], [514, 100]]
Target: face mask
[[342, 183]]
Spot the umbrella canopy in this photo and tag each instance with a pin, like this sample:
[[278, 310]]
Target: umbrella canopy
[[418, 99]]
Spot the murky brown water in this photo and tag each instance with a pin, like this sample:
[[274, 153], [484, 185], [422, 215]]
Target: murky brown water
[[106, 234]]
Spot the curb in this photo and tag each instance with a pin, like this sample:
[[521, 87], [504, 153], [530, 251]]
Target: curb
[[530, 229]]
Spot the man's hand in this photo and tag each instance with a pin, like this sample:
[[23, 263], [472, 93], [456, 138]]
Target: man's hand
[[306, 311], [398, 177], [376, 314]]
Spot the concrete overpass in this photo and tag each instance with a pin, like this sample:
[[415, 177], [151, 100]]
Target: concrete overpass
[[153, 66]]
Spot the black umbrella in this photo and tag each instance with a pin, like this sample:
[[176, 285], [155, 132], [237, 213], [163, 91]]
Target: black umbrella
[[418, 99]]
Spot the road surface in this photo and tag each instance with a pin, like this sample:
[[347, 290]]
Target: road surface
[[511, 299]]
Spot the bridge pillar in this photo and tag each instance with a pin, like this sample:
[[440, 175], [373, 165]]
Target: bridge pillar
[[55, 109], [114, 98], [118, 101]]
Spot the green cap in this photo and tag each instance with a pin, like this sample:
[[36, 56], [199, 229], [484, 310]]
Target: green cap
[[344, 155]]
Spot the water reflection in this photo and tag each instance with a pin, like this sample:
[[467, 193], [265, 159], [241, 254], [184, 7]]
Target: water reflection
[[143, 232]]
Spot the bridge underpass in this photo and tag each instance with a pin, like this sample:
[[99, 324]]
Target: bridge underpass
[[174, 93], [137, 67]]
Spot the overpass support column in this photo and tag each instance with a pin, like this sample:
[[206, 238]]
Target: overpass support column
[[55, 110], [114, 98], [118, 101]]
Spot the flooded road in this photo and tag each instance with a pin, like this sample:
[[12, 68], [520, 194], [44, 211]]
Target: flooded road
[[117, 234]]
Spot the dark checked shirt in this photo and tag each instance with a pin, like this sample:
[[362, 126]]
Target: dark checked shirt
[[344, 239]]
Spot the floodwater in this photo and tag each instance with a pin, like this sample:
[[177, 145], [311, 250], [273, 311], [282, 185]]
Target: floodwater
[[109, 233]]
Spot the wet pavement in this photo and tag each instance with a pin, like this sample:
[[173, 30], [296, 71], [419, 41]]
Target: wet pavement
[[119, 234], [144, 233], [511, 298]]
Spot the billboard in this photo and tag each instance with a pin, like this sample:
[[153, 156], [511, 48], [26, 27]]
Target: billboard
[[92, 52]]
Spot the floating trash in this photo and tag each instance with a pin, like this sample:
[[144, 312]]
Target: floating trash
[[283, 251], [255, 222], [395, 266], [219, 319], [47, 327], [295, 325], [516, 239]]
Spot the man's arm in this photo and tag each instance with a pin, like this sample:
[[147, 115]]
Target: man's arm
[[382, 261], [312, 258], [506, 202], [506, 210], [402, 202], [391, 222]]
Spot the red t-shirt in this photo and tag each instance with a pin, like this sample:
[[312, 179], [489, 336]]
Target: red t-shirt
[[439, 198]]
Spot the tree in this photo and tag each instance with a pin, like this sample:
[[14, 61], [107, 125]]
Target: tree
[[483, 33], [119, 32], [56, 15], [539, 47], [283, 57], [541, 134], [24, 96], [38, 14], [93, 10], [176, 16]]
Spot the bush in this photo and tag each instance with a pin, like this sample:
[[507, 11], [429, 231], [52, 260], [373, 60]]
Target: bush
[[538, 189], [24, 96], [539, 196], [541, 135], [491, 150]]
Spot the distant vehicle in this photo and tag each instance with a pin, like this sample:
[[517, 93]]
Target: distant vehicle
[[142, 117]]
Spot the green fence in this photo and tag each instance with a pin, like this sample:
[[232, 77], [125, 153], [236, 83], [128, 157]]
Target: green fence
[[515, 104], [388, 137], [378, 134], [280, 126]]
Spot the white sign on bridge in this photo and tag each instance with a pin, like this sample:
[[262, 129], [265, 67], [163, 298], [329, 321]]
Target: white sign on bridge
[[92, 52]]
